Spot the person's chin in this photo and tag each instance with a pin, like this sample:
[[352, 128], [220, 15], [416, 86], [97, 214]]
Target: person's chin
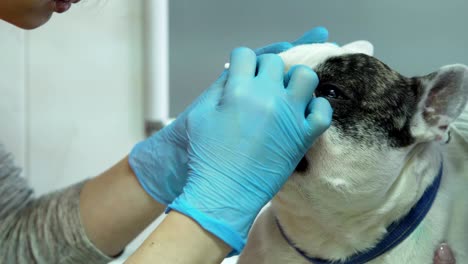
[[38, 16], [33, 22]]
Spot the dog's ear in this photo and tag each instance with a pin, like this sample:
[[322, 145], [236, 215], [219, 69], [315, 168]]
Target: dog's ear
[[443, 97], [360, 46]]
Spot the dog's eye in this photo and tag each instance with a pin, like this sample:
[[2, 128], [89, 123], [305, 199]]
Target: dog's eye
[[331, 91]]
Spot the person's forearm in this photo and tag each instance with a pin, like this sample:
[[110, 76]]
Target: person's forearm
[[115, 208], [180, 240]]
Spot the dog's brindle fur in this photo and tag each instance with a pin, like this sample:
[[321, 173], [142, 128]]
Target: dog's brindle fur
[[371, 88], [372, 165]]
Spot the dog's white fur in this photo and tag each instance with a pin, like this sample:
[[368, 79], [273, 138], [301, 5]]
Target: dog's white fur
[[351, 193]]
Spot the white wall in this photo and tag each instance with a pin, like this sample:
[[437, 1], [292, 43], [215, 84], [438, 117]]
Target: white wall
[[12, 91], [70, 100]]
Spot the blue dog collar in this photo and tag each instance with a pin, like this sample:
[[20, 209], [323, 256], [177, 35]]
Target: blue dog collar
[[396, 232]]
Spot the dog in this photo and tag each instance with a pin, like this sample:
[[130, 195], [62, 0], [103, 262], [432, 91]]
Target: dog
[[387, 182]]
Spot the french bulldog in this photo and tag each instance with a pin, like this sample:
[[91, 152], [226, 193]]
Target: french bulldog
[[387, 182]]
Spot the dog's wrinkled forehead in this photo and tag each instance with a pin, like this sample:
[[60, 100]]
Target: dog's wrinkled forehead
[[311, 54], [351, 68], [372, 103]]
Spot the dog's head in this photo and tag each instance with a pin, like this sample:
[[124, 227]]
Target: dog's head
[[380, 117]]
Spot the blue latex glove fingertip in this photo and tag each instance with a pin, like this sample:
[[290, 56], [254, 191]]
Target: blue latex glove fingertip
[[316, 35], [320, 112], [274, 48]]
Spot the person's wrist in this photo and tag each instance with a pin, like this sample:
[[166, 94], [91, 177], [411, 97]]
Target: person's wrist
[[231, 223], [140, 171], [180, 239], [131, 173], [217, 226], [158, 164]]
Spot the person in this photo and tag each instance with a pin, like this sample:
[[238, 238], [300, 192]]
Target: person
[[214, 167]]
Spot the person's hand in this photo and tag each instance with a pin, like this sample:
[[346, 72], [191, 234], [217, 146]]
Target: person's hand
[[444, 255], [243, 147], [160, 162]]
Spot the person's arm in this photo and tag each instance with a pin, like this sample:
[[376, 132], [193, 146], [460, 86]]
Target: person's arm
[[58, 227], [178, 240], [115, 208]]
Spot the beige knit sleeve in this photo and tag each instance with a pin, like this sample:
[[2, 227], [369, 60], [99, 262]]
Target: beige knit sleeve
[[43, 230]]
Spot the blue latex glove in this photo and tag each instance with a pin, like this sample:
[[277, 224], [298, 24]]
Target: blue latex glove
[[160, 162], [244, 146], [316, 35]]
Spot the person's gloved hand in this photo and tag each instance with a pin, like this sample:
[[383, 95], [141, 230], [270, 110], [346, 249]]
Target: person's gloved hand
[[160, 162], [243, 147]]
